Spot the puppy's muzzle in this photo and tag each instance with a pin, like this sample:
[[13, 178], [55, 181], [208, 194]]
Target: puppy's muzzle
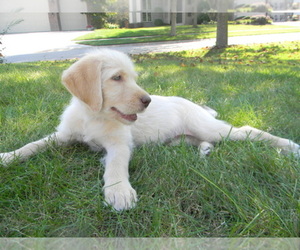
[[146, 100]]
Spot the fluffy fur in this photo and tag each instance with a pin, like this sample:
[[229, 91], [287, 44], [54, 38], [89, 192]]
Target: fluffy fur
[[110, 111]]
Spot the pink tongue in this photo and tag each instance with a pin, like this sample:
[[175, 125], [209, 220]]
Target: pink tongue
[[130, 117]]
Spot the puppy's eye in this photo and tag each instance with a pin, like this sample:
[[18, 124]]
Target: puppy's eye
[[117, 78]]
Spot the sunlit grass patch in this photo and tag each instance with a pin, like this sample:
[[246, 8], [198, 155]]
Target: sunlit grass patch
[[159, 34]]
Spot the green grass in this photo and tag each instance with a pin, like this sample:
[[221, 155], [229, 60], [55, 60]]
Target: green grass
[[243, 189], [158, 34]]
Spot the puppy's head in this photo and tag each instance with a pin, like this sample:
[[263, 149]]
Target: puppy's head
[[106, 82]]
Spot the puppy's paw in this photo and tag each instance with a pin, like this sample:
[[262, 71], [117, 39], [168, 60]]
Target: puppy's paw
[[205, 148], [291, 148], [120, 195], [6, 158], [296, 150]]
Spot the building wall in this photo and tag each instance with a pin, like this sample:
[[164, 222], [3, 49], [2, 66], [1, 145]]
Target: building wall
[[72, 6], [30, 22], [161, 10], [73, 21], [34, 14], [135, 9], [42, 15], [29, 6]]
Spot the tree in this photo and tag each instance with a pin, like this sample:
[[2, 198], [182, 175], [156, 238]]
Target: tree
[[195, 14], [120, 10], [97, 6], [202, 7], [222, 30], [173, 17], [97, 12], [222, 7]]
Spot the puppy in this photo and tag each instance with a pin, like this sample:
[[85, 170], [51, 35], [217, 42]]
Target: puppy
[[110, 111]]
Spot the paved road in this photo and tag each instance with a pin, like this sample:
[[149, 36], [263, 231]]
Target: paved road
[[29, 47]]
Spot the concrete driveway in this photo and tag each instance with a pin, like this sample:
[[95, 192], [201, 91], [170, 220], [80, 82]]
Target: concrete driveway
[[29, 47]]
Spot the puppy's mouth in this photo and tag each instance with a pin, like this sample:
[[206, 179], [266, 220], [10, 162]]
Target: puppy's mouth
[[130, 117]]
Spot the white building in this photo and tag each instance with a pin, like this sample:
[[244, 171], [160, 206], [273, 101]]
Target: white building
[[279, 8], [68, 15], [145, 12], [43, 15]]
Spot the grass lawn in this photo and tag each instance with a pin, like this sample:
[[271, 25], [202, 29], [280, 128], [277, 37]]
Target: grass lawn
[[157, 34], [242, 189]]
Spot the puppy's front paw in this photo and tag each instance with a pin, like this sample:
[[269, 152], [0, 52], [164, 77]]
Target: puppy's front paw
[[6, 158], [120, 195]]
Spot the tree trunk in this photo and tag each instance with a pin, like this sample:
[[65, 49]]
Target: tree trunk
[[173, 17], [195, 14], [222, 30], [195, 20]]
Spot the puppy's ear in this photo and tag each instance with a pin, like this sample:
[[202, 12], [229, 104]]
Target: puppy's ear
[[83, 80]]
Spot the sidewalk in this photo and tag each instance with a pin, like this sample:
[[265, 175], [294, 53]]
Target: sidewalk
[[29, 47]]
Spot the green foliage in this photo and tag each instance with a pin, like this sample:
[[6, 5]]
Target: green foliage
[[98, 6], [203, 18], [261, 20], [260, 7], [203, 6], [109, 14], [98, 20], [111, 26], [243, 189], [158, 22], [255, 7]]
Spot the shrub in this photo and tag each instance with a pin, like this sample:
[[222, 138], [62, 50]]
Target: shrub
[[203, 18], [239, 18], [111, 26], [158, 22], [97, 20], [261, 20], [242, 20]]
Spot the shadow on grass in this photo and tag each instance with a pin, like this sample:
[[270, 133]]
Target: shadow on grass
[[215, 51]]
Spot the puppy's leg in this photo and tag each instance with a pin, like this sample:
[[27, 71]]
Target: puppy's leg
[[32, 148], [213, 130], [117, 189], [286, 146], [204, 147]]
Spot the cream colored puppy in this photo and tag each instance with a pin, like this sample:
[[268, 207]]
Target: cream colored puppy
[[110, 111]]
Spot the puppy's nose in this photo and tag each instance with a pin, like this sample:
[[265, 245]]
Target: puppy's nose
[[146, 100]]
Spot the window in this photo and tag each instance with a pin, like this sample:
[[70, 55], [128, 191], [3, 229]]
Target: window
[[146, 15], [147, 5]]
